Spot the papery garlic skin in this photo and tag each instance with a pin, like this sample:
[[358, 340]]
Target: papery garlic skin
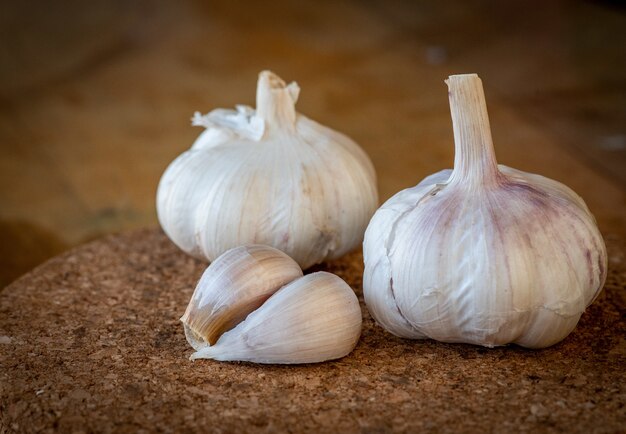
[[268, 176], [235, 284], [482, 254], [312, 319]]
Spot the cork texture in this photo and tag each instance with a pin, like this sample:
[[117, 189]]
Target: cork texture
[[90, 341]]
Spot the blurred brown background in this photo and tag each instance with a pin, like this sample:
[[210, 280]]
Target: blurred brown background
[[96, 97]]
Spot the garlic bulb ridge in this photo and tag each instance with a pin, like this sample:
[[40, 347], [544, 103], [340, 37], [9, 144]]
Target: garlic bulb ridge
[[482, 254], [268, 176]]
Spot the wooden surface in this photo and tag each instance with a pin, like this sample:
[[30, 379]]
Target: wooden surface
[[95, 101], [96, 97], [91, 342]]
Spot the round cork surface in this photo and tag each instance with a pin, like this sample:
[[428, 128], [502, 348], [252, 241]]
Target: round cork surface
[[91, 342]]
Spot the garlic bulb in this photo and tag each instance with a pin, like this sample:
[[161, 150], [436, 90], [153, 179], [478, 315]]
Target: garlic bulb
[[482, 254], [253, 304], [270, 176]]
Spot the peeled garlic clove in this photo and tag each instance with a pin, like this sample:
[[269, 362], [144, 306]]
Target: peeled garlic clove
[[482, 254], [235, 284], [312, 319], [268, 176]]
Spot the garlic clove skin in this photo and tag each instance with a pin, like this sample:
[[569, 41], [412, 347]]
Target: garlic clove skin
[[312, 319], [483, 254], [268, 176], [234, 285]]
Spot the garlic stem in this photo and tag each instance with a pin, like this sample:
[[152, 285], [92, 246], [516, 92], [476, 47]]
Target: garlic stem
[[275, 101], [474, 158]]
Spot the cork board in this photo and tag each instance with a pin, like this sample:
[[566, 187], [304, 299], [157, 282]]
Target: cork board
[[90, 342]]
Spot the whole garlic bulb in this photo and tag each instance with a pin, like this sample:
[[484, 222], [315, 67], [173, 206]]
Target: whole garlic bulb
[[253, 304], [270, 176], [482, 254]]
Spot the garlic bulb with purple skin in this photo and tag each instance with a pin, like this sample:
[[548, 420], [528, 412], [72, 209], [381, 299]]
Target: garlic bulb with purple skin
[[482, 254]]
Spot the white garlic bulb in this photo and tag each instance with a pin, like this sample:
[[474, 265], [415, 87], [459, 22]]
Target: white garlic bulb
[[270, 176], [253, 304], [482, 254]]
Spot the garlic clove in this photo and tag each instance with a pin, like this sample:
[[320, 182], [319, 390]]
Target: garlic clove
[[234, 285], [482, 254], [312, 319]]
